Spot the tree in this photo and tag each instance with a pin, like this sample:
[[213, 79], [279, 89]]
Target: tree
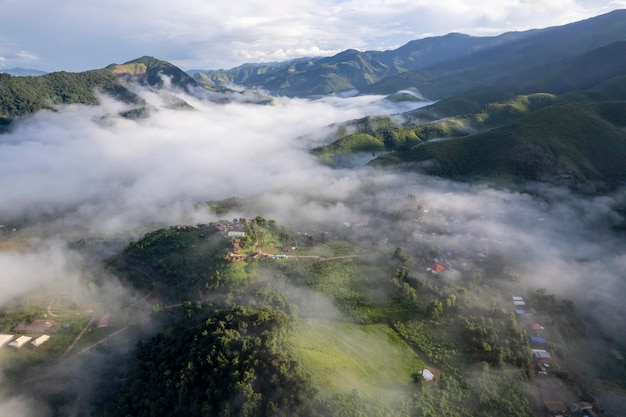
[[435, 308]]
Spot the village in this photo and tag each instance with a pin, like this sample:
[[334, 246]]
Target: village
[[559, 395]]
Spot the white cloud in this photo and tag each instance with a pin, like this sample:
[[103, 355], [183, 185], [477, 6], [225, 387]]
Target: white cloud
[[77, 36], [27, 56], [85, 159]]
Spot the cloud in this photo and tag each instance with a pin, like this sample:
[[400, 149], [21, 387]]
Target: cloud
[[46, 264], [75, 36], [27, 56], [89, 160]]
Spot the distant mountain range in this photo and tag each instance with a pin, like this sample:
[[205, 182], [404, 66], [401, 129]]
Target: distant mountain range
[[438, 66], [22, 71]]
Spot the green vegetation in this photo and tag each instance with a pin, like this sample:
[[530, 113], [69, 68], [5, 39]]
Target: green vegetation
[[582, 145], [23, 95], [371, 359], [231, 363], [159, 256], [330, 330], [386, 135], [20, 96]]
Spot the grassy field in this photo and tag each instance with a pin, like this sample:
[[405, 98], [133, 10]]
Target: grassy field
[[342, 357]]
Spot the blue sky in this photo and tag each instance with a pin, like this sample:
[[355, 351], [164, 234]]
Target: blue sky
[[78, 35]]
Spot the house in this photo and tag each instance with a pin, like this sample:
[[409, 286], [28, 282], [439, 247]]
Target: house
[[537, 326], [542, 356], [288, 248], [519, 302], [20, 341], [435, 268], [537, 340], [520, 312], [40, 340], [5, 338], [236, 234], [517, 298], [427, 375], [279, 257], [236, 245], [581, 406]]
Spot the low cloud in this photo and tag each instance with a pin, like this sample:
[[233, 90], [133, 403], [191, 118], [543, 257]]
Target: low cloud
[[99, 165], [85, 171]]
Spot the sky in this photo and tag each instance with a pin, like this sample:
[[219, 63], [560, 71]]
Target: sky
[[74, 35]]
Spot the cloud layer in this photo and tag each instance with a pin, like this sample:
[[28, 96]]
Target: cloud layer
[[85, 171]]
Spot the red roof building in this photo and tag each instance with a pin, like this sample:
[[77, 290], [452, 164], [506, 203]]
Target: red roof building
[[436, 268]]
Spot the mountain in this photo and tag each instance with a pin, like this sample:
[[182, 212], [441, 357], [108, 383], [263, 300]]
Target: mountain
[[22, 71], [439, 66], [582, 145], [516, 63], [22, 95], [350, 69], [154, 72]]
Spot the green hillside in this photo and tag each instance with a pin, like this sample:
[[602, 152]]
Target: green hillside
[[582, 145], [383, 134], [23, 95], [20, 96]]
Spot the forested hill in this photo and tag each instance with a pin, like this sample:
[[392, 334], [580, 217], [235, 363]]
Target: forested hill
[[22, 95], [580, 145], [569, 140]]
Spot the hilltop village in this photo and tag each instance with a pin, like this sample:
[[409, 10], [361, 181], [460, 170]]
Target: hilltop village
[[458, 317]]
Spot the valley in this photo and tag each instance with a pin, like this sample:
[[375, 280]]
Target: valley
[[433, 230]]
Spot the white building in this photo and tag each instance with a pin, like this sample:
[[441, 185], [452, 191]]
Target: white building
[[5, 338], [20, 341], [40, 340], [427, 375]]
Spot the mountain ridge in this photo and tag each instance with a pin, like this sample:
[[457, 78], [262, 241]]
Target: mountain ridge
[[438, 66]]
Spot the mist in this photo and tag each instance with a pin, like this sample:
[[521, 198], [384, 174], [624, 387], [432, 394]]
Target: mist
[[82, 172]]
